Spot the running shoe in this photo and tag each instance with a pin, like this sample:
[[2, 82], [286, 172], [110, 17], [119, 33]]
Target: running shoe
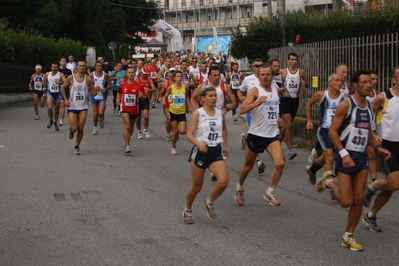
[[102, 123], [50, 123], [350, 242], [70, 134], [243, 142], [210, 211], [271, 198], [94, 132], [261, 166], [313, 156], [312, 176], [368, 196], [139, 135], [61, 122], [173, 151], [146, 134], [114, 111], [213, 177], [77, 151], [153, 105], [291, 155], [168, 137], [371, 222], [321, 182], [239, 197], [37, 117], [56, 128], [234, 118], [188, 217], [127, 149]]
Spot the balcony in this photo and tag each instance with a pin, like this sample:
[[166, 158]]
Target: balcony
[[206, 4]]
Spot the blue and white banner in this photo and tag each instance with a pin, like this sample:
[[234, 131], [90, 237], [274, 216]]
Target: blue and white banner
[[207, 44]]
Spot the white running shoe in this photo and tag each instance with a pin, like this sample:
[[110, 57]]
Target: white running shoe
[[139, 135], [127, 149], [313, 156], [146, 134], [61, 122], [173, 151], [37, 117], [94, 131]]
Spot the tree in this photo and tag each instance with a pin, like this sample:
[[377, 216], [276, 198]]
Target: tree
[[261, 35], [93, 22]]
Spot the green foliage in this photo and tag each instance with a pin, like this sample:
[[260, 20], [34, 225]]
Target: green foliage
[[312, 27], [260, 36], [29, 47], [93, 22]]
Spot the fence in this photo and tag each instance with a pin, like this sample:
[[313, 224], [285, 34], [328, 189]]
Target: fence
[[15, 78], [379, 53]]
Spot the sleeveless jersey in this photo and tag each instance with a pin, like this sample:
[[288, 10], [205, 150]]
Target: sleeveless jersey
[[195, 70], [234, 81], [327, 109], [153, 73], [129, 96], [79, 95], [345, 89], [278, 80], [186, 78], [146, 86], [71, 66], [354, 131], [387, 118], [265, 116], [371, 99], [292, 84], [38, 82], [220, 94], [101, 82], [178, 103], [165, 74], [201, 77], [210, 128], [52, 87]]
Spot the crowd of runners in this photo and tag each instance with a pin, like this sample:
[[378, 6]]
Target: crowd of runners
[[357, 124]]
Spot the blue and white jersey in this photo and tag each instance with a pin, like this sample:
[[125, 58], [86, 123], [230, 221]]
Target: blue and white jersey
[[354, 131], [327, 109]]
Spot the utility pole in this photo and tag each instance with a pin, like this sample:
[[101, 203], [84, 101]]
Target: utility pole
[[269, 9], [281, 15]]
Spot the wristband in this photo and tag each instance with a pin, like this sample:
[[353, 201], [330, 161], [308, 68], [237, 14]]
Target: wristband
[[343, 153]]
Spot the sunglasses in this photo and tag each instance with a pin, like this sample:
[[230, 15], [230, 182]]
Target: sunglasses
[[257, 65]]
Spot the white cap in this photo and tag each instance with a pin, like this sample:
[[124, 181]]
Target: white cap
[[172, 69], [38, 66]]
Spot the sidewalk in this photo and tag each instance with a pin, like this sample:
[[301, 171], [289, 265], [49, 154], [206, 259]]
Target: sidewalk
[[6, 98]]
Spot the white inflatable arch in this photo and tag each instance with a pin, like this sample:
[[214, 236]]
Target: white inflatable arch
[[171, 32]]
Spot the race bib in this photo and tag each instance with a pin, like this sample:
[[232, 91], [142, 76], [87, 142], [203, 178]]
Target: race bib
[[79, 97], [179, 99], [130, 99], [153, 75], [119, 80], [330, 115], [54, 88], [357, 140], [99, 95], [213, 132], [38, 85], [271, 114]]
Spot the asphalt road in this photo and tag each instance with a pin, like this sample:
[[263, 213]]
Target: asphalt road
[[106, 208]]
